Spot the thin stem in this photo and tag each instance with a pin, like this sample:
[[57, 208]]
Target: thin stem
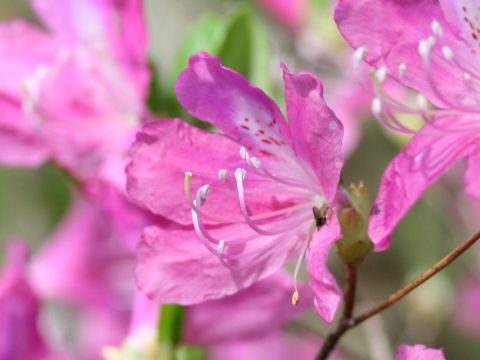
[[343, 325], [459, 250], [347, 323]]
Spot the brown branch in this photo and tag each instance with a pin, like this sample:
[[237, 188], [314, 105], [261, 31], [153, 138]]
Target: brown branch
[[347, 323]]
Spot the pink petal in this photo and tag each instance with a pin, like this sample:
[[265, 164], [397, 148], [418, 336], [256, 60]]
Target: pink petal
[[393, 38], [419, 352], [19, 309], [166, 149], [472, 176], [252, 312], [224, 98], [84, 248], [117, 25], [318, 132], [191, 274], [22, 57], [427, 156], [327, 294]]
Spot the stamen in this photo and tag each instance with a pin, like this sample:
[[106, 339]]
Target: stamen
[[447, 52], [296, 294], [381, 74], [244, 153], [402, 69], [221, 247], [437, 29]]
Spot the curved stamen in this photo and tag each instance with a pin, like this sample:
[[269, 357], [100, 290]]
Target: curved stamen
[[240, 175], [296, 293]]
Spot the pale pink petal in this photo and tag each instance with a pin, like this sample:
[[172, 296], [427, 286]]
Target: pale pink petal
[[327, 293], [318, 132], [393, 38], [419, 352], [20, 58], [427, 157], [252, 312], [116, 26], [166, 149], [472, 176], [191, 274]]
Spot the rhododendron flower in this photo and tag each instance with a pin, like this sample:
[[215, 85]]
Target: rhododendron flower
[[419, 352], [254, 222], [73, 90], [19, 311], [433, 48]]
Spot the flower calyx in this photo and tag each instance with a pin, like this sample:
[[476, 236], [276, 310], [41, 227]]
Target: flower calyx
[[355, 244]]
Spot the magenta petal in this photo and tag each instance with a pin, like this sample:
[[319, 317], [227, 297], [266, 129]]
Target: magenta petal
[[472, 176], [419, 352], [224, 98], [252, 312], [418, 166], [318, 132], [174, 266], [19, 309], [327, 294]]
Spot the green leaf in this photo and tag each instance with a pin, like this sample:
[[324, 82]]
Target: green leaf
[[207, 34]]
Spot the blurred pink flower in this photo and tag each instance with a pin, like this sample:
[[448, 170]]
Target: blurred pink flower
[[74, 91], [85, 269], [466, 309], [20, 337], [419, 352], [291, 13], [431, 47], [254, 225]]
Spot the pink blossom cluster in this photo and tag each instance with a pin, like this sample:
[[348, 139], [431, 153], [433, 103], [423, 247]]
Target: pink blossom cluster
[[168, 213]]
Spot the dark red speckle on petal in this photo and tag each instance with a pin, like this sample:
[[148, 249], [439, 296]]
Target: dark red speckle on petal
[[247, 119], [266, 141], [245, 127]]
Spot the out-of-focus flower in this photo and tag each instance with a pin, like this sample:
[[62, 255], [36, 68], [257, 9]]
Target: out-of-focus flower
[[20, 337], [84, 271], [431, 47], [419, 352], [466, 309], [250, 225], [291, 13], [251, 317], [74, 91]]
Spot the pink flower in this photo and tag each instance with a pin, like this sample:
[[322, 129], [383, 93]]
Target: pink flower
[[419, 352], [19, 309], [73, 91], [291, 13], [254, 223], [466, 310], [431, 47]]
